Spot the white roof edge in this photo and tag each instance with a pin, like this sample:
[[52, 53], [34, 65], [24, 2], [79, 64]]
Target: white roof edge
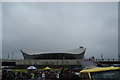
[[74, 51]]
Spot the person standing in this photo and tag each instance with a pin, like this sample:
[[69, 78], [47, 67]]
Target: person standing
[[43, 76]]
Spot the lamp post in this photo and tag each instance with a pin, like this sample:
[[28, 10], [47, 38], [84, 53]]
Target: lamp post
[[8, 56]]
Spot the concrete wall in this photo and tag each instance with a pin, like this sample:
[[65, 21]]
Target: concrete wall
[[45, 62]]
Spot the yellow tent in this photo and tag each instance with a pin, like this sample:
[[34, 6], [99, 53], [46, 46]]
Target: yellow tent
[[47, 68]]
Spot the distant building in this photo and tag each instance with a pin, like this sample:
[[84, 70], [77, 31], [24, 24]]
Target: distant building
[[71, 54]]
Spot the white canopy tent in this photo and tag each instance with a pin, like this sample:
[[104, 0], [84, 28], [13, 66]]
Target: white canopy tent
[[31, 67]]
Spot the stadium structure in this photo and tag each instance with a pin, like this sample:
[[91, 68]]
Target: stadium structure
[[71, 54]]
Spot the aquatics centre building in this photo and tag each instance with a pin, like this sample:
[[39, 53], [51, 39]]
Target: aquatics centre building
[[71, 54]]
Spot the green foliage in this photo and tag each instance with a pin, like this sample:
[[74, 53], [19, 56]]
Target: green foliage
[[21, 70]]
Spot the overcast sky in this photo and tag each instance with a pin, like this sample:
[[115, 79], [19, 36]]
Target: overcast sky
[[57, 27], [0, 29]]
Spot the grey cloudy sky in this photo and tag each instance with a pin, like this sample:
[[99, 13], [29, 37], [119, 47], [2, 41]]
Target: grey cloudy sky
[[0, 29], [51, 27]]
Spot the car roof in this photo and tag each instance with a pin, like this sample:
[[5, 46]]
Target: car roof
[[99, 69]]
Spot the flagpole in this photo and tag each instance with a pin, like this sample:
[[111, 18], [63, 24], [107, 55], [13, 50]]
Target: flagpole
[[101, 56]]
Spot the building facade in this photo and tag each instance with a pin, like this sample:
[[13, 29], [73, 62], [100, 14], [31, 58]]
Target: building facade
[[71, 54]]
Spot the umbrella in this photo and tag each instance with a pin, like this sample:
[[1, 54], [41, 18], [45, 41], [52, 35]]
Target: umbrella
[[47, 68], [60, 68], [76, 69], [31, 67]]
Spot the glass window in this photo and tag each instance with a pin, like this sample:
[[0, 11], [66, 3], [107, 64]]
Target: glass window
[[113, 74]]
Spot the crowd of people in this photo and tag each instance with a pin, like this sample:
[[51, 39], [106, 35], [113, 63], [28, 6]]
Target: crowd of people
[[63, 74]]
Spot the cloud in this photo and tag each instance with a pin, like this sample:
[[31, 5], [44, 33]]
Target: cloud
[[0, 29], [61, 26]]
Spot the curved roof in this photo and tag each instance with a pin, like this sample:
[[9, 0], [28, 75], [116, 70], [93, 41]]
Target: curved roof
[[74, 51]]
